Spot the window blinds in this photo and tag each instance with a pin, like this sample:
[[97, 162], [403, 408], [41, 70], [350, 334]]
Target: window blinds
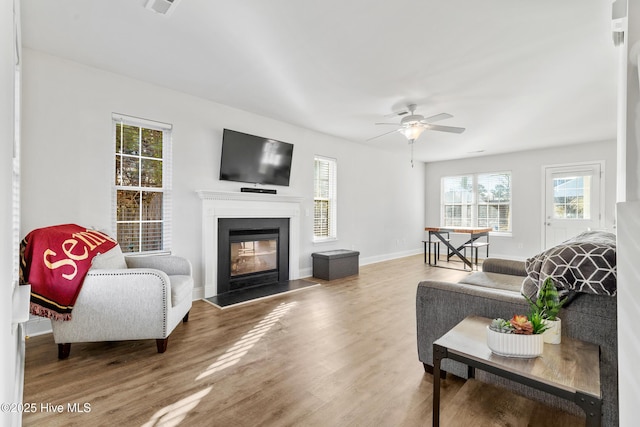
[[325, 198]]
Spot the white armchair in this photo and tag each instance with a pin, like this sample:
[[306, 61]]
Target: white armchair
[[145, 300]]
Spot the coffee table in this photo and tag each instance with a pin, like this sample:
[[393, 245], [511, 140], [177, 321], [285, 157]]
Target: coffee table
[[570, 370]]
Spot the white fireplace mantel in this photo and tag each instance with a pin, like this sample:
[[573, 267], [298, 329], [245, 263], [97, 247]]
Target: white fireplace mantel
[[226, 204]]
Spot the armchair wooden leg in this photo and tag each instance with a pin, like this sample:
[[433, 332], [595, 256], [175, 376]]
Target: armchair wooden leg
[[64, 350], [185, 319], [162, 344]]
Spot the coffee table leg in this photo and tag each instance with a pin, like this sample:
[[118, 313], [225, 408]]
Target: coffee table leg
[[439, 353]]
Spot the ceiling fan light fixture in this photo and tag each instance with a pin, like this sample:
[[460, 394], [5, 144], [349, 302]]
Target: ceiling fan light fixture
[[412, 132], [412, 125]]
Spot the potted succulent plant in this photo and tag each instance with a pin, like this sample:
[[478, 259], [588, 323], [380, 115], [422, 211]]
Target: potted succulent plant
[[519, 337], [547, 306]]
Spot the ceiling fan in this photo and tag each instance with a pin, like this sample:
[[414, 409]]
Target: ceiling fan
[[412, 125]]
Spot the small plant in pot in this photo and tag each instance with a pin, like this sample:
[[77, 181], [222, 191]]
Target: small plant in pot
[[521, 336], [547, 306], [519, 325]]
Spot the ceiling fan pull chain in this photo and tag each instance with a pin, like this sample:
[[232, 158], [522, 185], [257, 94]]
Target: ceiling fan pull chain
[[411, 143]]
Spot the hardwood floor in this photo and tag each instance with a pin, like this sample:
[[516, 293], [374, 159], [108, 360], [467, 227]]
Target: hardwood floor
[[341, 354]]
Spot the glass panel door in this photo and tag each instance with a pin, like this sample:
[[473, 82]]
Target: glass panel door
[[572, 202]]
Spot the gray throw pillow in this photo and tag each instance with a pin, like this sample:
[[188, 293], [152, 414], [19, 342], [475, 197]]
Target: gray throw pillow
[[110, 260]]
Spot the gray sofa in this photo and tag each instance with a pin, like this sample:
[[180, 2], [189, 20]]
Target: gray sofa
[[496, 292]]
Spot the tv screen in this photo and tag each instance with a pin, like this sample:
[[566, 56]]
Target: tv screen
[[253, 159]]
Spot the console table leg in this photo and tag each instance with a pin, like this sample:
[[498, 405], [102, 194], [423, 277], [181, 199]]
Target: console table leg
[[439, 353]]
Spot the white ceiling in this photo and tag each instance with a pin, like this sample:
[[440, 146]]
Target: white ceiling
[[518, 74]]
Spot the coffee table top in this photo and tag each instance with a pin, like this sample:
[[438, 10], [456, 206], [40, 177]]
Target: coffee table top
[[572, 365]]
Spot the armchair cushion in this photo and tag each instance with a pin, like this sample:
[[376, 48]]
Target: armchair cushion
[[112, 259], [181, 288], [170, 264]]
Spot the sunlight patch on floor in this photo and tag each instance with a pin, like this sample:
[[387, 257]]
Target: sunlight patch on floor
[[174, 414], [244, 344]]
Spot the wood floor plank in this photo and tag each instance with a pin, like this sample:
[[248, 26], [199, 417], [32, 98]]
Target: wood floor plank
[[341, 354]]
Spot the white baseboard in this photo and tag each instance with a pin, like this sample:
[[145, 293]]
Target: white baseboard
[[389, 257], [37, 325], [306, 272], [198, 293]]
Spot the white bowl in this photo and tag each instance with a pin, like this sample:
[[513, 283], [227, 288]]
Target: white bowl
[[514, 345]]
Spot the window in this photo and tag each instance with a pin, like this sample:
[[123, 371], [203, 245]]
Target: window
[[324, 199], [142, 187], [477, 200], [457, 201], [572, 197]]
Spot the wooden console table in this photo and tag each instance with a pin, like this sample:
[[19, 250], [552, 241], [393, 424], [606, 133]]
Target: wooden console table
[[570, 370], [474, 234]]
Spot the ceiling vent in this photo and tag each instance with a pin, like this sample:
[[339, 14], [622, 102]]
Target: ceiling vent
[[163, 7]]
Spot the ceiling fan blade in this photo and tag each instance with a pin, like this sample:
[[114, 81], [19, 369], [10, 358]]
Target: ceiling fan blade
[[437, 117], [386, 133], [394, 124], [451, 129]]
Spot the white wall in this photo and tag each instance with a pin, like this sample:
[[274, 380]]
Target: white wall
[[12, 342], [68, 149], [527, 188], [6, 157], [629, 232]]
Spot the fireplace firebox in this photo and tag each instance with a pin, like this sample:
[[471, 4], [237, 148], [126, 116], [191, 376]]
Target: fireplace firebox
[[252, 252]]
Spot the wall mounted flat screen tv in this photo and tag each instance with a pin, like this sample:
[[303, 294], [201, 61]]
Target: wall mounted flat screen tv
[[253, 159]]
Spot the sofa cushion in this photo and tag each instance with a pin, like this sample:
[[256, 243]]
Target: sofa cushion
[[585, 263], [504, 266], [505, 282], [181, 288]]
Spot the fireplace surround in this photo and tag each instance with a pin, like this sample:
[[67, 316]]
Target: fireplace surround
[[218, 205]]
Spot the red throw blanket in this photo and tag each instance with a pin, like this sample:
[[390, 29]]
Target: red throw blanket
[[54, 261]]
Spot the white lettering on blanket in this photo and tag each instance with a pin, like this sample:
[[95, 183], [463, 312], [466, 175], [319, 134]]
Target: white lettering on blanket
[[92, 240]]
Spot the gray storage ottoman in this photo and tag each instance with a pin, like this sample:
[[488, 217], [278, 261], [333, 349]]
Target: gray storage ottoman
[[335, 264]]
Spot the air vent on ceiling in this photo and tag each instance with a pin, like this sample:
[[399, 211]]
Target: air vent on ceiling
[[163, 7]]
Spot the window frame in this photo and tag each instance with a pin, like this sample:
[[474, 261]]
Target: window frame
[[331, 199], [475, 203], [165, 189]]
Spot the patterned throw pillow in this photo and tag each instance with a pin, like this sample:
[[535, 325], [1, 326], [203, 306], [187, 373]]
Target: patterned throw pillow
[[529, 288], [585, 263]]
